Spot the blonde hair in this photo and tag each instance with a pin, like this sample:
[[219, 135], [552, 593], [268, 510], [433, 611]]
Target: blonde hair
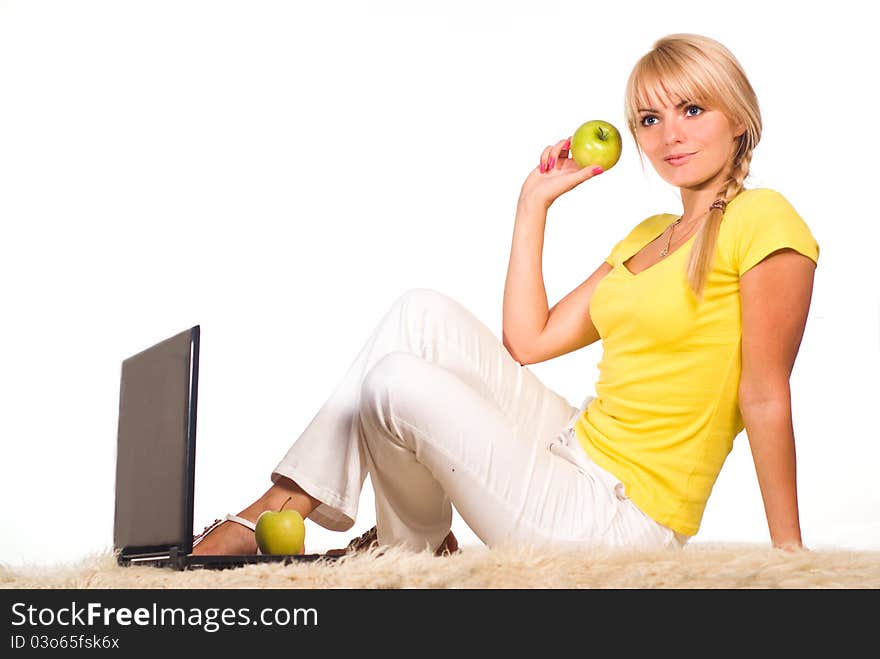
[[699, 69]]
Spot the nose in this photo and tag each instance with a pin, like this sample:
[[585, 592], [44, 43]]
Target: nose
[[672, 131]]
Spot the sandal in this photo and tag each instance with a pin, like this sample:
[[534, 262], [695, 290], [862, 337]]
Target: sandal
[[217, 522], [363, 542], [369, 540]]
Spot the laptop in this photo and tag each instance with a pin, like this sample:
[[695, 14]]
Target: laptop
[[156, 459]]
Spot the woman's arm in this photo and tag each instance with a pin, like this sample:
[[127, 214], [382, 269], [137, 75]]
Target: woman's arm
[[775, 296], [525, 308], [525, 312], [771, 439], [567, 326]]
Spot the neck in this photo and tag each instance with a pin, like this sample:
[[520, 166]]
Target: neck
[[696, 200], [696, 207], [685, 224]]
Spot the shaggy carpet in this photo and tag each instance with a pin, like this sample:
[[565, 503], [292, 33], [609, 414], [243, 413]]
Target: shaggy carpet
[[726, 566]]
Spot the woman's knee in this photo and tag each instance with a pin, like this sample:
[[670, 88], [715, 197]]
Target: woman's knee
[[395, 374], [418, 301], [392, 392]]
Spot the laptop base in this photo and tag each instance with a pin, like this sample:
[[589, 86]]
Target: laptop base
[[173, 559]]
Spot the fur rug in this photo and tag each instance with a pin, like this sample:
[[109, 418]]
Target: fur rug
[[697, 566]]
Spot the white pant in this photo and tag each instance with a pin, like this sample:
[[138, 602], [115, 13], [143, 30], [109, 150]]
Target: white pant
[[439, 414]]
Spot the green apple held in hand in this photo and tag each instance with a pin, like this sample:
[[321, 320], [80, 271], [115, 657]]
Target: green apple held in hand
[[596, 142], [281, 531]]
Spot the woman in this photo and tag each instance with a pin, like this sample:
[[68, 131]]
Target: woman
[[700, 315]]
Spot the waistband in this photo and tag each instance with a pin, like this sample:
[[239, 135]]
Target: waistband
[[568, 445]]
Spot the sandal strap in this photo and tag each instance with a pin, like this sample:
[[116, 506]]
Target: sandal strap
[[217, 522], [366, 540], [241, 520], [210, 527]]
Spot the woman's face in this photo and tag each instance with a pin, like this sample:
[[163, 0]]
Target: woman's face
[[703, 135]]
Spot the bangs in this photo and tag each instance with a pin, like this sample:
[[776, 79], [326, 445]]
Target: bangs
[[663, 78], [654, 90]]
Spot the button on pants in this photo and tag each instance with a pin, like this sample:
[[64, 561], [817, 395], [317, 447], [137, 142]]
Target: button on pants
[[439, 414]]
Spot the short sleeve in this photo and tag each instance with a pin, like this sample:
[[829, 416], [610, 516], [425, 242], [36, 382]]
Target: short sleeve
[[767, 222], [611, 259]]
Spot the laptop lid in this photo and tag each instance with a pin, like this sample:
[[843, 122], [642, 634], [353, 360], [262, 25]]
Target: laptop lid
[[156, 441]]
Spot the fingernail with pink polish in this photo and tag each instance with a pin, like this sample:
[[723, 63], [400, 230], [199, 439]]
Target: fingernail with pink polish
[[597, 170]]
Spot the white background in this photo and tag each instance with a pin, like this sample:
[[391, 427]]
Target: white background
[[279, 172]]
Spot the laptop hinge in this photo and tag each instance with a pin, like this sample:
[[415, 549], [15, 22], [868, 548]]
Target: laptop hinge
[[168, 557]]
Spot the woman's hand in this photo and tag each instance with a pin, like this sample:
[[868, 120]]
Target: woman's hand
[[556, 174]]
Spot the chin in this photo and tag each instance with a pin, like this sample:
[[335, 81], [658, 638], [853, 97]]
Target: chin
[[683, 179]]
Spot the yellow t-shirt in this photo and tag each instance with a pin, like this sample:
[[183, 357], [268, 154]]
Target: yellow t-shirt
[[666, 410]]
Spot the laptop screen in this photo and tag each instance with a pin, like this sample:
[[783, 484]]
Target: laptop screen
[[155, 456]]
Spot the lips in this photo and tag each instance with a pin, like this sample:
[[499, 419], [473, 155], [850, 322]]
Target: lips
[[680, 159]]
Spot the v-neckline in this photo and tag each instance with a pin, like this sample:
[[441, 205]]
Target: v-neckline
[[653, 265]]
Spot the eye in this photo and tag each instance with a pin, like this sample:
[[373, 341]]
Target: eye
[[688, 109]]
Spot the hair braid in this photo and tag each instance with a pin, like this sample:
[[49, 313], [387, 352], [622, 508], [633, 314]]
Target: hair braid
[[702, 254]]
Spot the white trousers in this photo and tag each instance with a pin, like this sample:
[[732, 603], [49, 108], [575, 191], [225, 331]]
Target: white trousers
[[439, 414]]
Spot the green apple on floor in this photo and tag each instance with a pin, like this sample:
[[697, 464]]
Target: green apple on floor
[[280, 531]]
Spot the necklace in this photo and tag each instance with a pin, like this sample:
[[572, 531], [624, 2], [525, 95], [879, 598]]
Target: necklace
[[665, 250], [720, 204]]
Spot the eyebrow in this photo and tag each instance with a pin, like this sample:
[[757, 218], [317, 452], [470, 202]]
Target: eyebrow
[[682, 104]]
